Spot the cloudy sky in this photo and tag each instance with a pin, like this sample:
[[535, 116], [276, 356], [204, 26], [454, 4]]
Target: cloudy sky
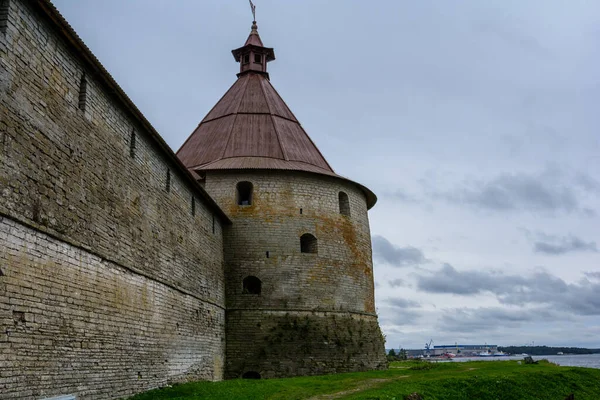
[[475, 123]]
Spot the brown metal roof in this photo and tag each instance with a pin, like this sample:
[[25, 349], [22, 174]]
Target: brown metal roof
[[251, 120], [251, 127]]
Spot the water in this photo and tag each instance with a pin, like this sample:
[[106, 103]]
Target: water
[[576, 360]]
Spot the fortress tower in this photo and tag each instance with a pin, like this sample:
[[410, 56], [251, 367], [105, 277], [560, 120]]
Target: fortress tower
[[298, 266], [125, 267]]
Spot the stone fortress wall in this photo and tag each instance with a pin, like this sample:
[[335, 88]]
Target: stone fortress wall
[[315, 311], [116, 266], [111, 255]]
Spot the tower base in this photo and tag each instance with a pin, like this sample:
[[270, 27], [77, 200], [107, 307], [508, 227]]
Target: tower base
[[276, 344]]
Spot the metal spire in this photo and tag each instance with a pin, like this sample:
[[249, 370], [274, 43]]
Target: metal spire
[[253, 8]]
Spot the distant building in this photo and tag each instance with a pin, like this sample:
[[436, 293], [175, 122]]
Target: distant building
[[464, 349]]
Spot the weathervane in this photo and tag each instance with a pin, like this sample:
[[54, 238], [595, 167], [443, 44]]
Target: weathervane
[[253, 8]]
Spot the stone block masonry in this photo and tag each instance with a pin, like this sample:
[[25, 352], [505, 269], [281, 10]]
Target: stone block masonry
[[73, 322], [287, 343], [315, 312], [111, 255], [338, 278], [119, 272]]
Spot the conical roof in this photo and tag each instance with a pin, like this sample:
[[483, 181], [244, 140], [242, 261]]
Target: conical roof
[[254, 37], [251, 127], [252, 120]]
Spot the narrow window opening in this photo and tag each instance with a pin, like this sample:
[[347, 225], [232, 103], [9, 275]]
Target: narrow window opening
[[1, 273], [83, 93], [308, 244], [213, 224], [251, 375], [132, 144], [258, 58], [168, 187], [300, 211], [193, 206], [252, 285], [267, 257], [19, 317], [4, 8], [344, 204], [244, 193], [246, 58]]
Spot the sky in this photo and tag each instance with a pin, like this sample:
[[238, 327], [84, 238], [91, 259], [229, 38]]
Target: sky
[[475, 123]]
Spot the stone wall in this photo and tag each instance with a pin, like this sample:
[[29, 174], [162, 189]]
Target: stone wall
[[336, 282], [75, 323], [286, 343], [96, 217]]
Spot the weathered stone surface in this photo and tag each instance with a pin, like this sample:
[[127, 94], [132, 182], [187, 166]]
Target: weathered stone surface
[[73, 322], [330, 293], [115, 271], [109, 284], [287, 343]]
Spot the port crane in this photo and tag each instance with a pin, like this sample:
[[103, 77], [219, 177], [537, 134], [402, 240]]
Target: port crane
[[428, 348]]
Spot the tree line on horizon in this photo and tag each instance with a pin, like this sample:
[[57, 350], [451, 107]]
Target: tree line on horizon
[[546, 350]]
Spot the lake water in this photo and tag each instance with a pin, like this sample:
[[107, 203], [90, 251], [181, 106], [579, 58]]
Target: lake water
[[577, 360]]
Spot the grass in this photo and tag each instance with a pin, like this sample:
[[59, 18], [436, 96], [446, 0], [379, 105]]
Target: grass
[[498, 380]]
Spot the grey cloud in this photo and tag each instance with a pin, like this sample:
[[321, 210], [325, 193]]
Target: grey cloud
[[398, 283], [488, 318], [592, 275], [449, 280], [588, 212], [404, 196], [401, 317], [539, 288], [587, 182], [398, 302], [398, 256], [581, 298], [560, 245], [510, 192]]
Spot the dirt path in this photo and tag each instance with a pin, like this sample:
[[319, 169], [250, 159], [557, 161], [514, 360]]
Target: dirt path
[[364, 385]]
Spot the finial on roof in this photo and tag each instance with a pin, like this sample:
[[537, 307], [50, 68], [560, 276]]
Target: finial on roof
[[253, 8]]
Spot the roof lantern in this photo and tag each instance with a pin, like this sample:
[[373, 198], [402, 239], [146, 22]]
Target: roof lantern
[[253, 55]]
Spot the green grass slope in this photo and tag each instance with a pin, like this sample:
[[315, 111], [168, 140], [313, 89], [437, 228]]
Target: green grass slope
[[497, 380]]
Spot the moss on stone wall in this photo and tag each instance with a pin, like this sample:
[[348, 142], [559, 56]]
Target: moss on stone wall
[[278, 344]]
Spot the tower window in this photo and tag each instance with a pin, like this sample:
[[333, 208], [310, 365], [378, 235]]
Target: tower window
[[246, 58], [308, 243], [193, 206], [252, 285], [213, 223], [258, 58], [344, 204], [244, 193], [83, 93]]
